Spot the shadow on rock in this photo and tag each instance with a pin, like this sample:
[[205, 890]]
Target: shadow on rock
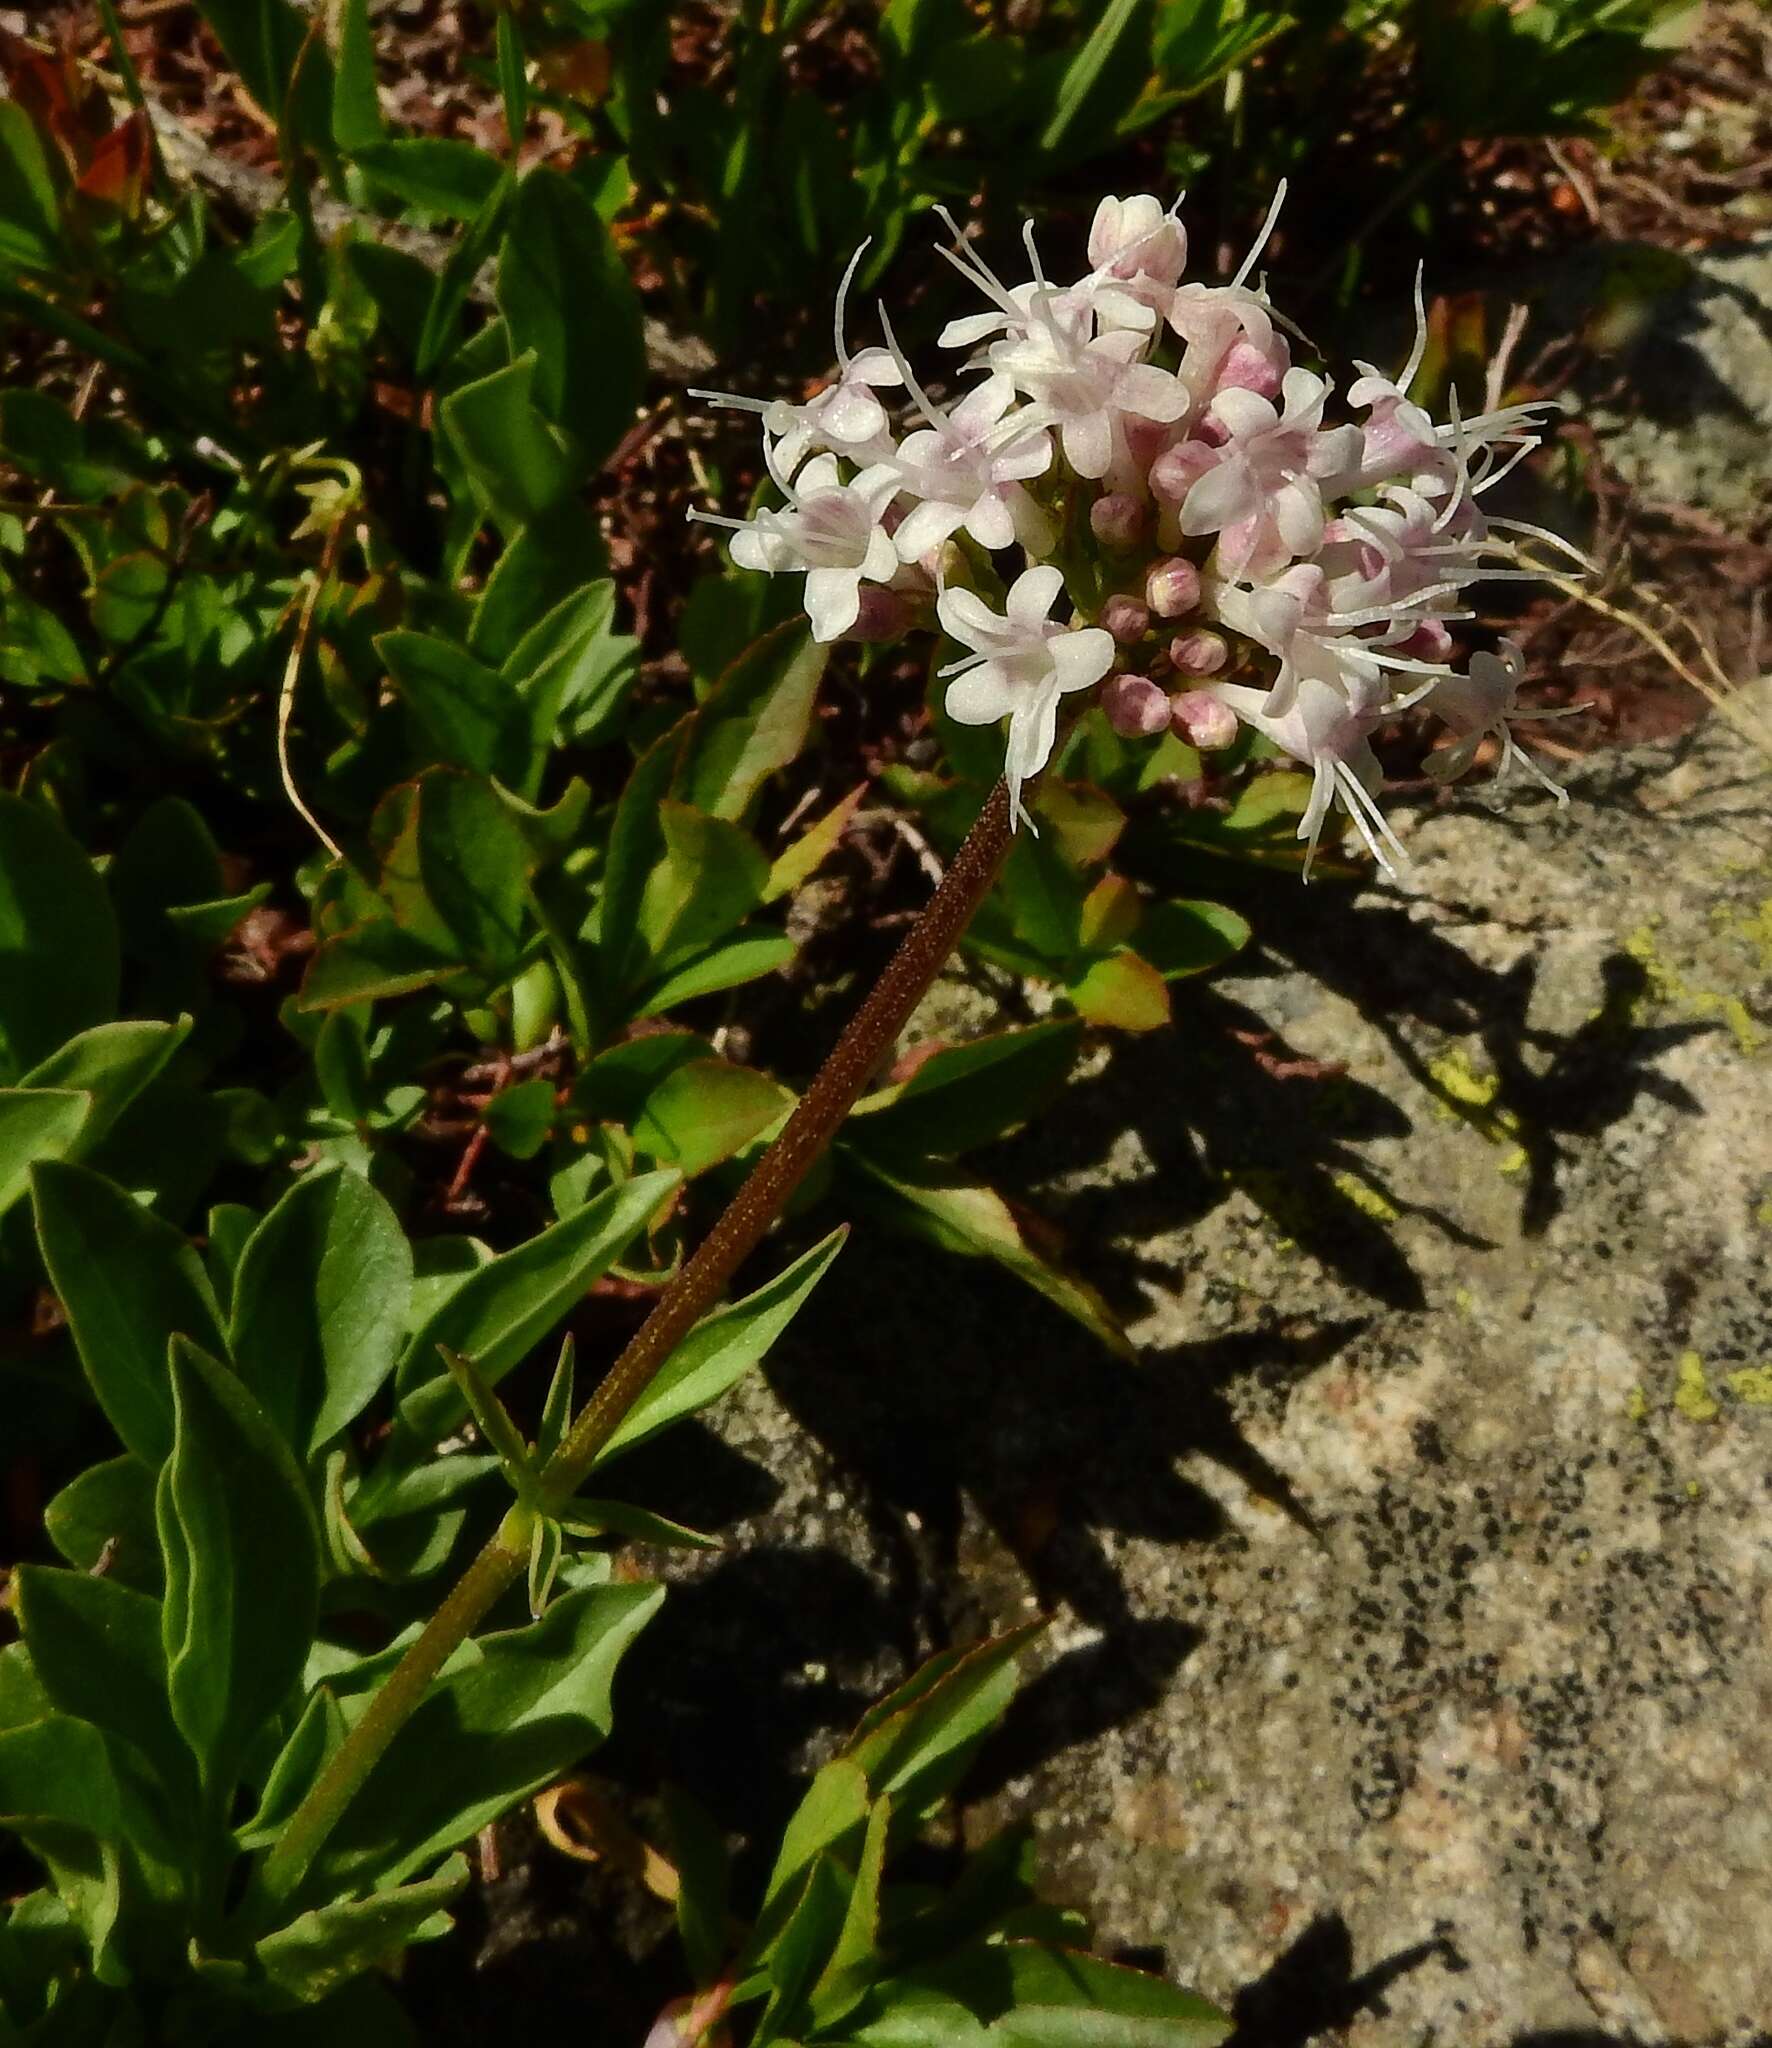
[[1313, 1989]]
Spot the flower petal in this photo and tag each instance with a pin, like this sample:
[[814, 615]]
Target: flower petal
[[1081, 657], [981, 696], [1032, 594], [832, 600]]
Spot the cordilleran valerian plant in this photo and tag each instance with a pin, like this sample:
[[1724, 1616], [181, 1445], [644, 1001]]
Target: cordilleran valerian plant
[[1224, 554]]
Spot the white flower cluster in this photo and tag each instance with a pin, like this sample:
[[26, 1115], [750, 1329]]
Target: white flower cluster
[[1154, 455]]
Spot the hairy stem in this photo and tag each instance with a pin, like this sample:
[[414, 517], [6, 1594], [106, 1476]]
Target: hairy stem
[[852, 1063]]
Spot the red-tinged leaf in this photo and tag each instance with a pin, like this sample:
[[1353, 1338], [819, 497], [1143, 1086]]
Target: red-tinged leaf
[[1123, 991], [117, 174]]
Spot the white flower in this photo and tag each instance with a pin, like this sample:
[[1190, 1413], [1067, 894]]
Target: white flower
[[1328, 730], [968, 468], [1478, 706], [1138, 251], [845, 417], [1021, 663], [1085, 388], [1263, 491], [830, 529]]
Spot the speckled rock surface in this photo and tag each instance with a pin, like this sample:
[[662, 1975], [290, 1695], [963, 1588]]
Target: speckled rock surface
[[1411, 1663], [1696, 428]]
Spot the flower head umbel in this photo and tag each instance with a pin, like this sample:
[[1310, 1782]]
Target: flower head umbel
[[1131, 488], [1022, 662]]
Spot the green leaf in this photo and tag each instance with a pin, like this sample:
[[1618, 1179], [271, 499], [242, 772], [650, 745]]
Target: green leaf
[[96, 1645], [500, 1312], [59, 964], [1121, 34], [800, 1947], [320, 1305], [730, 965], [1181, 937], [520, 1118], [264, 40], [104, 1518], [29, 215], [455, 280], [853, 1962], [586, 1516], [710, 878], [433, 172], [835, 1807], [1038, 1996], [514, 457], [719, 1351], [513, 85], [572, 670], [705, 1111], [455, 869], [755, 721], [128, 1283], [914, 1746], [698, 1851], [356, 110], [370, 961], [518, 1708], [1122, 990], [967, 1095], [635, 840], [35, 1123], [242, 1566], [566, 298], [966, 1217], [59, 1795], [469, 712], [322, 1950], [113, 1063], [800, 861]]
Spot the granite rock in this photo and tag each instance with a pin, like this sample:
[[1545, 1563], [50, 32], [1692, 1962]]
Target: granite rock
[[1410, 1664]]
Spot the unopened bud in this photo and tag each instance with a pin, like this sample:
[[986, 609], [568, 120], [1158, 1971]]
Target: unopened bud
[[1136, 708], [884, 615], [1198, 654], [1172, 587], [1203, 720], [1175, 472], [1126, 619], [1250, 369], [1118, 521], [1429, 642]]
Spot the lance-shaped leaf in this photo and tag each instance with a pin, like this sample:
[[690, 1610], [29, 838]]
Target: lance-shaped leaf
[[755, 721], [97, 1648], [965, 1216], [504, 1308], [58, 938], [322, 1950], [1033, 1995], [718, 1352], [111, 1064], [103, 1519], [518, 1709], [129, 1283], [242, 1566], [967, 1095], [320, 1305], [36, 1123]]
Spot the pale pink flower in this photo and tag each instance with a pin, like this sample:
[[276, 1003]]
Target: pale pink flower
[[1021, 663]]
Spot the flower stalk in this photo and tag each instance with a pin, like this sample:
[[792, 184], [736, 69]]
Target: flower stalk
[[850, 1067]]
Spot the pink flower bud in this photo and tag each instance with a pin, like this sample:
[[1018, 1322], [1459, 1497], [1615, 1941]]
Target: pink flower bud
[[1202, 720], [1178, 469], [1136, 708], [1429, 642], [1118, 521], [1198, 654], [884, 615], [1126, 619], [1250, 369], [1172, 587]]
